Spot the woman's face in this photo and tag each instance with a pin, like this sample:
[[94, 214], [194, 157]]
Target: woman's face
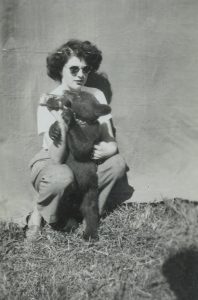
[[75, 73]]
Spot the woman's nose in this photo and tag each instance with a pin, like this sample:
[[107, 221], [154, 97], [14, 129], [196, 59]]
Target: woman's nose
[[80, 73]]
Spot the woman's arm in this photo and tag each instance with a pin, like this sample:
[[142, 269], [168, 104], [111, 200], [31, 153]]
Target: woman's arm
[[58, 153], [108, 146], [44, 120]]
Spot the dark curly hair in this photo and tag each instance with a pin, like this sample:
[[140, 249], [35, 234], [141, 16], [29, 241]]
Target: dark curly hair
[[83, 50]]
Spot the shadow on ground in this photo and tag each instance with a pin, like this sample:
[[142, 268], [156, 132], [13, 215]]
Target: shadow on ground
[[181, 272]]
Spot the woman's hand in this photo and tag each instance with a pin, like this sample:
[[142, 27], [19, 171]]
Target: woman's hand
[[104, 150]]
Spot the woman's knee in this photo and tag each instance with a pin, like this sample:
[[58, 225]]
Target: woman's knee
[[118, 166], [55, 178]]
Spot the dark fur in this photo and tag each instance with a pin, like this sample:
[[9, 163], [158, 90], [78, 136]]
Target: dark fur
[[80, 142]]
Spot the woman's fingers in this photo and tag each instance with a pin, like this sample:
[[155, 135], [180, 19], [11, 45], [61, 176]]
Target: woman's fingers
[[98, 151], [95, 147], [97, 154]]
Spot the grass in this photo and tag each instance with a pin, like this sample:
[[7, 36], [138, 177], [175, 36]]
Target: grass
[[145, 251]]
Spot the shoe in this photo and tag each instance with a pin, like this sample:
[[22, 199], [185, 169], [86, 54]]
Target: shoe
[[32, 232]]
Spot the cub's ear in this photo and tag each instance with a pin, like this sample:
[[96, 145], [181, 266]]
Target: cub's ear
[[68, 98], [51, 103], [68, 116], [66, 101], [102, 110]]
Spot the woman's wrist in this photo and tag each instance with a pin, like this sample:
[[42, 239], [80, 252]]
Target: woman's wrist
[[113, 148], [105, 150], [62, 124]]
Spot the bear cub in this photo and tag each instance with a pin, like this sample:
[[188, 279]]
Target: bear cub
[[80, 111]]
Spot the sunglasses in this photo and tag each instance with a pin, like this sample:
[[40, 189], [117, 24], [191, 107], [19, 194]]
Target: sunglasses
[[75, 69]]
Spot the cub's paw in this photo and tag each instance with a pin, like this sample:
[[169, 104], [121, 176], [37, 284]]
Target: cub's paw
[[55, 133], [89, 235]]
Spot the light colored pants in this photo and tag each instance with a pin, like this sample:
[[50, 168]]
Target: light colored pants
[[51, 180]]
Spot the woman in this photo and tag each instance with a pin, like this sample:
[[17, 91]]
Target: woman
[[70, 66]]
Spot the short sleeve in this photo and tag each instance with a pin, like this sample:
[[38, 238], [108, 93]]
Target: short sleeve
[[44, 119], [101, 98]]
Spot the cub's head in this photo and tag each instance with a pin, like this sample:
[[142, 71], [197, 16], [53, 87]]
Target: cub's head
[[85, 106]]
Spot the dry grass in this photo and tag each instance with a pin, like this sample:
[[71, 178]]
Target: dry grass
[[140, 246]]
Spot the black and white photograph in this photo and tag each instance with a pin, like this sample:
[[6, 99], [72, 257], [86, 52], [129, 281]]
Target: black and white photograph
[[99, 150]]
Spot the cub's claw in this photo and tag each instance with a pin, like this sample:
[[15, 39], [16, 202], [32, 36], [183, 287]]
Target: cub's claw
[[90, 235]]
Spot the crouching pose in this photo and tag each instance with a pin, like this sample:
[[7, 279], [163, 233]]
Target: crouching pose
[[51, 172]]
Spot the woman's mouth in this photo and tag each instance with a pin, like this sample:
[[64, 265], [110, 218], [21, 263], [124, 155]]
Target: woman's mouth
[[79, 82]]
